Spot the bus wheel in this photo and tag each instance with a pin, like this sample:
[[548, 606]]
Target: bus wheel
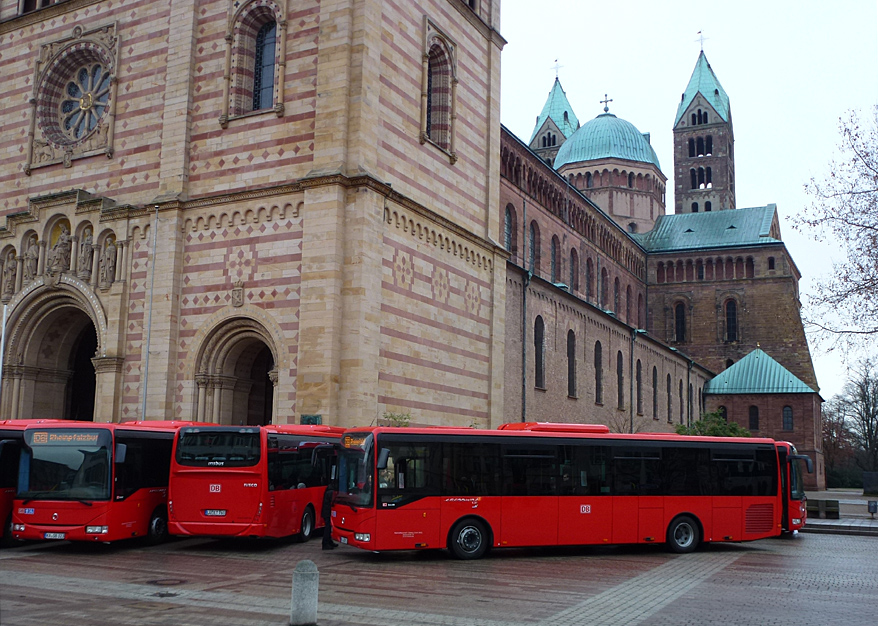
[[683, 535], [157, 532], [468, 539], [307, 528], [6, 541]]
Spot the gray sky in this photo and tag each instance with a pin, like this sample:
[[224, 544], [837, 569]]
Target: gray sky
[[790, 68]]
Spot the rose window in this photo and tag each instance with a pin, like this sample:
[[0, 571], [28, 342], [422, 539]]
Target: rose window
[[84, 101]]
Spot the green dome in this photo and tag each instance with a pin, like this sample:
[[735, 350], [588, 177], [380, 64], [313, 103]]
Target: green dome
[[605, 137]]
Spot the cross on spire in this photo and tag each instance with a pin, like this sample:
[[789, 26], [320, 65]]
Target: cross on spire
[[701, 39], [557, 67], [607, 100]]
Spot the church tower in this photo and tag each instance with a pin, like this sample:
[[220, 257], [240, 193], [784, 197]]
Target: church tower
[[554, 125], [704, 145]]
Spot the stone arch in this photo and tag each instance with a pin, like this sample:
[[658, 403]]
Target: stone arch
[[56, 364], [236, 369]]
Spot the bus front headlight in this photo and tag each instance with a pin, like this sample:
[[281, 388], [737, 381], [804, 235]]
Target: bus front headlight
[[96, 530]]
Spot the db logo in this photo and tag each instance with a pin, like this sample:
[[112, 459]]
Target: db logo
[[41, 437], [585, 508], [215, 488]]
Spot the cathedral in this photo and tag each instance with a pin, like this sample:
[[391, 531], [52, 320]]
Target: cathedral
[[268, 211]]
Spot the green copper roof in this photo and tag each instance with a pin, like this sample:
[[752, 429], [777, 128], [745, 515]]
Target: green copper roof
[[606, 136], [556, 106], [704, 81], [717, 229], [756, 373]]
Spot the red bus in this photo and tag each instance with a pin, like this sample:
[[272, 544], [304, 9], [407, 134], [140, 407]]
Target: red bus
[[251, 481], [84, 481], [559, 484], [11, 436]]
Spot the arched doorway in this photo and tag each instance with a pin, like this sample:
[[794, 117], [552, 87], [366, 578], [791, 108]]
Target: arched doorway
[[48, 371], [237, 375]]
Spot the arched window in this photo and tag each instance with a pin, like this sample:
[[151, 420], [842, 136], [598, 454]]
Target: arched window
[[754, 418], [704, 121], [598, 374], [263, 72], [631, 181], [509, 234], [620, 380], [701, 178], [589, 280], [701, 146], [679, 322], [556, 264], [660, 273], [694, 120], [670, 414], [589, 181], [571, 364], [691, 148], [574, 270], [605, 288], [628, 304], [533, 245], [539, 353], [439, 86], [731, 321], [616, 296], [254, 45], [695, 207], [700, 117], [708, 148], [655, 415], [708, 207], [709, 178], [788, 418], [681, 400], [639, 385], [771, 263], [693, 179]]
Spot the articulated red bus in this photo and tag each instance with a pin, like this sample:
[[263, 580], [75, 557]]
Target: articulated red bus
[[84, 481], [251, 481], [560, 484]]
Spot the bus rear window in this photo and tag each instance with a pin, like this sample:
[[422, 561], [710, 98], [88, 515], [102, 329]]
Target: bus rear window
[[210, 447]]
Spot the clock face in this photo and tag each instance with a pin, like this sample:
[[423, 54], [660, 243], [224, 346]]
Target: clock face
[[83, 101]]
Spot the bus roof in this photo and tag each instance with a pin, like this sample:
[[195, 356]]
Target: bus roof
[[559, 434]]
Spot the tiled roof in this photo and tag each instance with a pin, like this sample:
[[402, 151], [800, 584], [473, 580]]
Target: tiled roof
[[703, 80], [756, 373], [716, 229], [555, 107]]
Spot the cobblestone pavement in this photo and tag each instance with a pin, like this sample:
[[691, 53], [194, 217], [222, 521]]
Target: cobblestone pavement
[[809, 578]]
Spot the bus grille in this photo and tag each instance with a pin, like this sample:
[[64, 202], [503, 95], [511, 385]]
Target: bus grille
[[760, 518]]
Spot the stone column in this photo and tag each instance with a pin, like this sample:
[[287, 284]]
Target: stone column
[[41, 266], [95, 263], [19, 276], [117, 277], [201, 381], [108, 378], [74, 255], [273, 377]]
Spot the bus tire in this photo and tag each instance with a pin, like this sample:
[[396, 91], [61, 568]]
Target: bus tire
[[157, 531], [307, 528], [684, 535], [468, 539], [7, 541]]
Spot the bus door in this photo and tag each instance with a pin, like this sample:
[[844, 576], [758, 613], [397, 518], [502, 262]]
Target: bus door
[[9, 453], [585, 511], [531, 483], [638, 508], [407, 496]]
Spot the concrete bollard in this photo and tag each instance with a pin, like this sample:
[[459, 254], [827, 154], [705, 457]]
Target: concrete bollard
[[303, 611]]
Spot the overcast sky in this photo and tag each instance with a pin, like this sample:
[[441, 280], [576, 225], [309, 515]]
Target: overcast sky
[[790, 68]]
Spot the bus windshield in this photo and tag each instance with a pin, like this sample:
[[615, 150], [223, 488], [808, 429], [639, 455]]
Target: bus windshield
[[218, 447], [355, 467], [65, 464], [797, 479]]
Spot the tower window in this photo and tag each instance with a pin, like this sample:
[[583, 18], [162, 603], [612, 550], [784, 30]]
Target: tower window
[[694, 119], [694, 179], [771, 262], [788, 418], [691, 148], [679, 322], [731, 321], [539, 354], [708, 149], [589, 181], [438, 113], [700, 146], [263, 74], [754, 418], [695, 207], [708, 207], [630, 181]]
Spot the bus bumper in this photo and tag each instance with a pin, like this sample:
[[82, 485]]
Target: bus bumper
[[200, 529]]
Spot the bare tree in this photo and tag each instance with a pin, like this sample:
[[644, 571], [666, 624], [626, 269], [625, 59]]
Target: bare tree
[[845, 211], [839, 447], [859, 402]]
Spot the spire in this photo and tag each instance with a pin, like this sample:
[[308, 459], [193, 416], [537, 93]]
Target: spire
[[705, 82], [558, 109]]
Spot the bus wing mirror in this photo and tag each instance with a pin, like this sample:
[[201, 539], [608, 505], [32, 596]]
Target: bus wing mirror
[[382, 458], [121, 450], [807, 459]]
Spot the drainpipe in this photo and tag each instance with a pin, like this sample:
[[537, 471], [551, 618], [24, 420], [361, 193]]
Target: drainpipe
[[527, 276]]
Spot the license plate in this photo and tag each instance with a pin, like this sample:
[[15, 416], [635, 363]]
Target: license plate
[[215, 512], [54, 535], [343, 539]]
